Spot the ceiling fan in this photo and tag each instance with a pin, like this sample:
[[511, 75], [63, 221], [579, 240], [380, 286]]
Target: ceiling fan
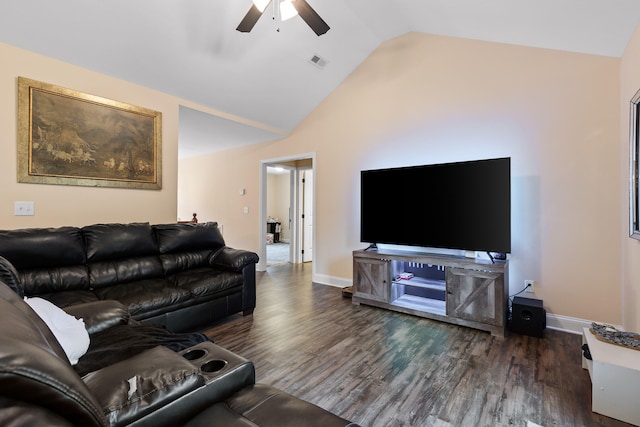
[[284, 9]]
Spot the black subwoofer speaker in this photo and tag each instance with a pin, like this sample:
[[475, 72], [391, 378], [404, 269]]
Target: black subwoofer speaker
[[528, 317]]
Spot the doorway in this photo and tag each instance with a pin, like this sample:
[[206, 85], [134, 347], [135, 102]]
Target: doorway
[[278, 237], [295, 222]]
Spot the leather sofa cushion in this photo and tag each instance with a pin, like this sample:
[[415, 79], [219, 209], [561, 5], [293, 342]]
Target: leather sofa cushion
[[187, 246], [109, 273], [136, 387], [221, 415], [145, 295], [265, 406], [42, 247], [177, 262], [100, 315], [174, 238], [206, 281], [14, 413], [47, 259], [35, 369], [106, 242], [44, 280], [68, 298], [268, 406], [121, 253]]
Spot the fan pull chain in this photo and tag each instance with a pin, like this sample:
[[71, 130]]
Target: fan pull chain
[[276, 14]]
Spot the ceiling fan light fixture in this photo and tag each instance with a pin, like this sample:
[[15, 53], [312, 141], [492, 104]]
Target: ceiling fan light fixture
[[261, 4], [282, 10], [287, 10]]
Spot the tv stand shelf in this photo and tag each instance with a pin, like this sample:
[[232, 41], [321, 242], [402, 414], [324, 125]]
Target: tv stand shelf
[[458, 290], [419, 282]]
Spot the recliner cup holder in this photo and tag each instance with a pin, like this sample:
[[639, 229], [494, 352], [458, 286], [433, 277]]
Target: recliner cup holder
[[194, 354], [214, 365]]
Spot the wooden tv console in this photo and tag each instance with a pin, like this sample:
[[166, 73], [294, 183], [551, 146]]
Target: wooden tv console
[[469, 292]]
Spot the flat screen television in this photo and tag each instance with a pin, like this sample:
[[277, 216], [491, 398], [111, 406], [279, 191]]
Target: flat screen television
[[462, 205]]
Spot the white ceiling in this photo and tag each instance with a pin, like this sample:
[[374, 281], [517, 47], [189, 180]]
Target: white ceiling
[[190, 48], [201, 133]]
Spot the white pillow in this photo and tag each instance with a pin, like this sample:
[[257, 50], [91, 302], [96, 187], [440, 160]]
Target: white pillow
[[69, 331]]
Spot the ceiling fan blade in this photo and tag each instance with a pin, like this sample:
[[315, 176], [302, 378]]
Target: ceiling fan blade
[[310, 16], [250, 19]]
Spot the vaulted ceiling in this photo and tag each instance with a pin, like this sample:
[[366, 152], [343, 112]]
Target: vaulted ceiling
[[190, 48]]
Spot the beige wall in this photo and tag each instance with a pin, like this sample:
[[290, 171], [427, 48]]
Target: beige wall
[[57, 205], [425, 99], [630, 83]]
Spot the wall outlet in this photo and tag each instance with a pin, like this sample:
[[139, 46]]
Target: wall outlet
[[530, 286]]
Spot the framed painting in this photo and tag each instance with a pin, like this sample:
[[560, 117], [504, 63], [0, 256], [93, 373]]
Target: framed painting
[[67, 137]]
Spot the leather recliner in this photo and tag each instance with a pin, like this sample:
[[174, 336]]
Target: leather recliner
[[205, 385]]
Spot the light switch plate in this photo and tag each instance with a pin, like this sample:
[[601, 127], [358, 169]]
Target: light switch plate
[[24, 209]]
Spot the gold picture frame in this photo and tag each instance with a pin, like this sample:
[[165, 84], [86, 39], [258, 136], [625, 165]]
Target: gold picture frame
[[66, 137]]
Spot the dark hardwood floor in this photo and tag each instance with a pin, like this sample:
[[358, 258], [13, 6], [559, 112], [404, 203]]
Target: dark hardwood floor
[[380, 368]]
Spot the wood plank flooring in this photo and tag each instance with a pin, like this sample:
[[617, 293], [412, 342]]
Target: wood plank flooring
[[379, 368]]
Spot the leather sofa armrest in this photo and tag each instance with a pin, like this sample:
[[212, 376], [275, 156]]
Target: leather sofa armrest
[[222, 381], [227, 258], [100, 315], [143, 384]]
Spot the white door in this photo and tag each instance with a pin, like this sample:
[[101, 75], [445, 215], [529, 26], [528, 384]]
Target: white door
[[307, 215]]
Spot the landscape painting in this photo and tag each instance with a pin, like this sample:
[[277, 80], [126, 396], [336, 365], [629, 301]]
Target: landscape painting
[[70, 138]]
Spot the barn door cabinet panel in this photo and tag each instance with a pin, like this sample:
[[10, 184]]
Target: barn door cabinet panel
[[475, 295], [459, 290], [371, 279]]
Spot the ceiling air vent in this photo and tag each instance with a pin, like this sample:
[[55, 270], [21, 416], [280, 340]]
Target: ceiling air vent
[[317, 61]]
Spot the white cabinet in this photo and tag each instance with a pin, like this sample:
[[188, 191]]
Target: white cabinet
[[615, 379]]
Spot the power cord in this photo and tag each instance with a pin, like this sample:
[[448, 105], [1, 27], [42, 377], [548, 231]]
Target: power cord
[[518, 293]]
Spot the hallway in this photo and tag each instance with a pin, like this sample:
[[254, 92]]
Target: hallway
[[277, 253]]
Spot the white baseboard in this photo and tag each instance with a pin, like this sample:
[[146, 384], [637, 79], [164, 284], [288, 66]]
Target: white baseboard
[[572, 325], [324, 279], [557, 322]]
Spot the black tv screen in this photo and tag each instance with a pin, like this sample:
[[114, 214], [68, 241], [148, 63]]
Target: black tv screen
[[463, 205]]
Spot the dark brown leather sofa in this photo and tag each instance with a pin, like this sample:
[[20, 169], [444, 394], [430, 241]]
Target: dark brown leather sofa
[[182, 276], [204, 385]]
